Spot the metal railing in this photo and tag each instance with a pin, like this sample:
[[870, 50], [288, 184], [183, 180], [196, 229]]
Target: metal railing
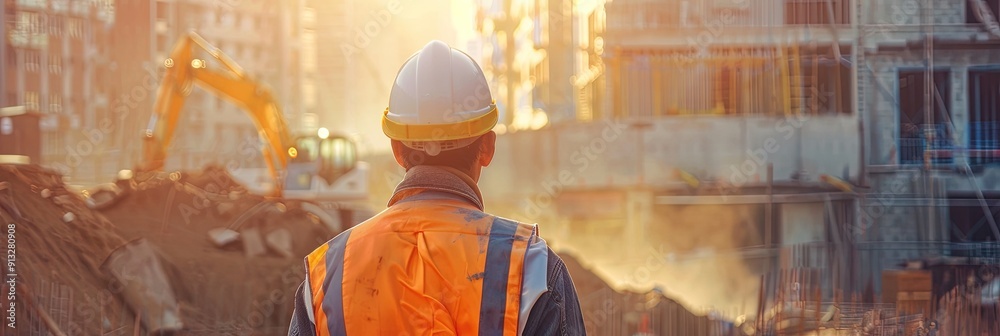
[[984, 136], [913, 148]]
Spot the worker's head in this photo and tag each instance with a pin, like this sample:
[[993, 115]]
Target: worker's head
[[468, 159], [441, 112]]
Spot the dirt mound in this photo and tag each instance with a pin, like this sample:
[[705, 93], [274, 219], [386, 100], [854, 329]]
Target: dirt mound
[[57, 262], [214, 179], [222, 290], [610, 312]]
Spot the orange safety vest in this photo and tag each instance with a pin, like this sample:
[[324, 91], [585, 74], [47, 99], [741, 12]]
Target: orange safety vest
[[427, 267]]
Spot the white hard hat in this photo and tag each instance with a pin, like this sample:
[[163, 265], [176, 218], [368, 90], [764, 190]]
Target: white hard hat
[[440, 100]]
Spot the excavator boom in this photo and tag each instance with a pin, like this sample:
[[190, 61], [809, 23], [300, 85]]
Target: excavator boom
[[183, 71]]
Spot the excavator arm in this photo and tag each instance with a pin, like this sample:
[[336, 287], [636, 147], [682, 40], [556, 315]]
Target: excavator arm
[[183, 71]]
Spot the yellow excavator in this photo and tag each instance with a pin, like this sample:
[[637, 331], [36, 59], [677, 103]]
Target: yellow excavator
[[183, 72], [320, 169]]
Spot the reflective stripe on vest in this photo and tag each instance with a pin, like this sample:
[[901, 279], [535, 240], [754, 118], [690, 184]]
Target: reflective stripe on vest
[[326, 304], [426, 267], [536, 278]]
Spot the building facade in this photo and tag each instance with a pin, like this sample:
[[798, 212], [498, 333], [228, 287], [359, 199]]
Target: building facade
[[588, 82], [57, 63], [927, 92], [543, 59], [513, 34]]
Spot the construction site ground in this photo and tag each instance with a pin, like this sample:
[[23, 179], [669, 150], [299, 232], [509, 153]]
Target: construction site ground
[[220, 291], [57, 263]]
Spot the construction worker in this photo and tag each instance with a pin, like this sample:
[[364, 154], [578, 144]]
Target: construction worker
[[433, 263]]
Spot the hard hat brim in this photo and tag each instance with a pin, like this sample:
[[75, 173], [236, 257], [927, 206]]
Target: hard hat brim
[[440, 132]]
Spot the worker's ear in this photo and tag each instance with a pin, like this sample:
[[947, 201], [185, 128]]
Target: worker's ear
[[397, 153], [487, 149]]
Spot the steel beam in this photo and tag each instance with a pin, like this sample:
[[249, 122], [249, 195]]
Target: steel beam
[[753, 199], [923, 202]]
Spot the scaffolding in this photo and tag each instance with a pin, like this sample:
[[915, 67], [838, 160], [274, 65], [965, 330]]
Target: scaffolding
[[776, 80]]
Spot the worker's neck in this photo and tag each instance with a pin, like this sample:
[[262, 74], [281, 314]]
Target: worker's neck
[[475, 173], [419, 179], [472, 181], [471, 178]]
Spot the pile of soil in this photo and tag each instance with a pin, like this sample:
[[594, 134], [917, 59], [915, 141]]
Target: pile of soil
[[222, 290], [57, 262], [610, 312]]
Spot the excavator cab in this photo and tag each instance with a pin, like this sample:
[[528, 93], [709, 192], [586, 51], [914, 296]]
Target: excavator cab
[[322, 158]]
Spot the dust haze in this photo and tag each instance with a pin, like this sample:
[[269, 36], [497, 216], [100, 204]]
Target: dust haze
[[691, 254]]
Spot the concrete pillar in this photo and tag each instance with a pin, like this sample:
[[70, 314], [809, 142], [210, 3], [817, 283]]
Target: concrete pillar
[[43, 92], [638, 214], [19, 54], [938, 230], [960, 110], [885, 117]]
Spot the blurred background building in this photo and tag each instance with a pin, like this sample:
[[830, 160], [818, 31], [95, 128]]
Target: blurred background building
[[57, 62], [532, 53], [328, 87]]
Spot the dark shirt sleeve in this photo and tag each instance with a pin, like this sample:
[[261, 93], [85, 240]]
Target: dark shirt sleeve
[[557, 311], [300, 325]]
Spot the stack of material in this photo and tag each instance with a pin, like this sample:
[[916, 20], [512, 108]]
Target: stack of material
[[59, 245], [246, 285], [910, 290]]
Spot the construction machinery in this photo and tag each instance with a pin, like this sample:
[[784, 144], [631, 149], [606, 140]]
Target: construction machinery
[[321, 170]]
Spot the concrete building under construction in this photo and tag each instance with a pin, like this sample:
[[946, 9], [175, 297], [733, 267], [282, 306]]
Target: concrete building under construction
[[765, 135]]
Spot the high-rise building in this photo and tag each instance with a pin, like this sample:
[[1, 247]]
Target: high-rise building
[[56, 62], [589, 83], [556, 36], [543, 58], [512, 31]]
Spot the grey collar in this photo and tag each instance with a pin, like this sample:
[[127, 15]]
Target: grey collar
[[446, 181]]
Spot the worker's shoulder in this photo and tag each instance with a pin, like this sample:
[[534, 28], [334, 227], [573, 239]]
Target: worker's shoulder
[[337, 242], [506, 221], [511, 225]]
